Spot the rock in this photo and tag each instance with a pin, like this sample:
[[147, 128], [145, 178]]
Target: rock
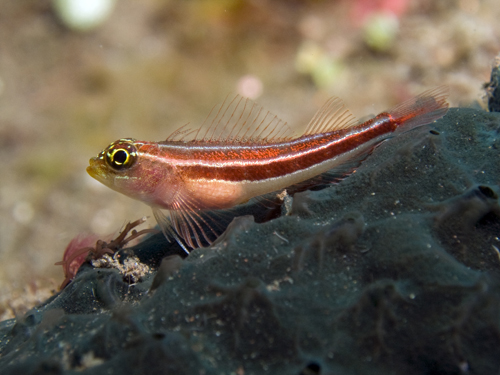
[[394, 270]]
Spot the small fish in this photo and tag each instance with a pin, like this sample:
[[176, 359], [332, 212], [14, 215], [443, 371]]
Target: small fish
[[241, 152]]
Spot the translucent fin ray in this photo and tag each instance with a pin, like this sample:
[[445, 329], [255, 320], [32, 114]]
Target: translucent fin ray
[[236, 120], [332, 116], [422, 109], [168, 228], [189, 226]]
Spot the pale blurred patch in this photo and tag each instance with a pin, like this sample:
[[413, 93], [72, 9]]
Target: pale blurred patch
[[83, 15], [250, 86], [23, 212]]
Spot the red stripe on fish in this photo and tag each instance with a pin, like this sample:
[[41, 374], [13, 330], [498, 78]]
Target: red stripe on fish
[[241, 152]]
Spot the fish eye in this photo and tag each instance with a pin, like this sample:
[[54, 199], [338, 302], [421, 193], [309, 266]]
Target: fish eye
[[121, 155]]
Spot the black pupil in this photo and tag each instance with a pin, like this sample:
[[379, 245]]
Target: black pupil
[[120, 157]]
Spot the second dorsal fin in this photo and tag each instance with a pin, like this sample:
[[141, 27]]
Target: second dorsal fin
[[236, 120], [331, 117]]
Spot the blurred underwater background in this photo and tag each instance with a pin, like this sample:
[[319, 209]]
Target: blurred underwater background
[[72, 82]]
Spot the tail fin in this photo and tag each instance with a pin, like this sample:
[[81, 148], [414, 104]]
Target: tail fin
[[422, 109]]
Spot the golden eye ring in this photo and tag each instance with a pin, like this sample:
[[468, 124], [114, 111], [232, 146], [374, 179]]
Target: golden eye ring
[[121, 156]]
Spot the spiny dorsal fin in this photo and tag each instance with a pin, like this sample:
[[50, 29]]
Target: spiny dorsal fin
[[180, 133], [331, 117], [236, 120]]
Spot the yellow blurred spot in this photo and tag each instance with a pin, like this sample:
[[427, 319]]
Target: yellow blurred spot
[[380, 31]]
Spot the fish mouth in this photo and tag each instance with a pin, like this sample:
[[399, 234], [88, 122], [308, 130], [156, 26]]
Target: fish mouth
[[96, 170]]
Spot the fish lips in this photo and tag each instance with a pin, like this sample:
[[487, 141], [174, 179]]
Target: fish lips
[[97, 170]]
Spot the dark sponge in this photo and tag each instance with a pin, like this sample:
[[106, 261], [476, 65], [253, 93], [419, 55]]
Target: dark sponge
[[395, 270]]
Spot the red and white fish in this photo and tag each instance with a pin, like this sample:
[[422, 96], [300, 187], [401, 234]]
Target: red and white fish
[[241, 152]]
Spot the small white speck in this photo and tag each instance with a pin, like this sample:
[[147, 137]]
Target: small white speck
[[280, 237]]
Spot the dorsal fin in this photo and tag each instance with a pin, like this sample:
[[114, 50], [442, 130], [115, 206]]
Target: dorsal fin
[[331, 117], [236, 120], [240, 120], [180, 133], [422, 109]]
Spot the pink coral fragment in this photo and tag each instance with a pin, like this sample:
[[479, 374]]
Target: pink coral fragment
[[80, 248]]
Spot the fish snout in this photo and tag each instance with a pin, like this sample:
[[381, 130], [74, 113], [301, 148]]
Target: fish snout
[[96, 169]]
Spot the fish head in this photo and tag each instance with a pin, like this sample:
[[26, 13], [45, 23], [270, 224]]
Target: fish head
[[119, 167]]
